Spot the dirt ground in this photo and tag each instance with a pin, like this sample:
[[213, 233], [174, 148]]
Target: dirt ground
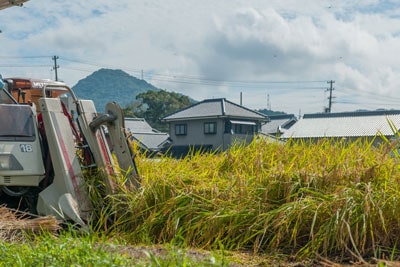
[[241, 259]]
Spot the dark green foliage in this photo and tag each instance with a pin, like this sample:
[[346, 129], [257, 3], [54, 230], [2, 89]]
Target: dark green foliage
[[154, 105], [269, 112]]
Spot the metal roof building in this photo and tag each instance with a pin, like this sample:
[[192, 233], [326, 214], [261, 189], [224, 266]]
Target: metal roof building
[[345, 124]]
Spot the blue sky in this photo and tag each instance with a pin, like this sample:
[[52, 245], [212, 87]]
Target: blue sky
[[279, 53]]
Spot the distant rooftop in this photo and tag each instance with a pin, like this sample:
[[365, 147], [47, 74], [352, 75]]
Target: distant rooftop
[[353, 114], [218, 107], [278, 123], [145, 135], [345, 124]]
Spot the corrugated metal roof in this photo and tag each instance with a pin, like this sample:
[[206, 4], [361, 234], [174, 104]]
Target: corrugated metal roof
[[354, 124], [215, 108]]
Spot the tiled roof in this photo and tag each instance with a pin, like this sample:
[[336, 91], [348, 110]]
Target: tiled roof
[[153, 141], [137, 125], [276, 122], [346, 124], [219, 107], [142, 132]]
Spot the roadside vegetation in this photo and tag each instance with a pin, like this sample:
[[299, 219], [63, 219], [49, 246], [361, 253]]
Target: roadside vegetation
[[294, 202]]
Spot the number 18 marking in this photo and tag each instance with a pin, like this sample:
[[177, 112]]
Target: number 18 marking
[[26, 148]]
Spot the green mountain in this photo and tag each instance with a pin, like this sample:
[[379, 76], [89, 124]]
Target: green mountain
[[107, 85]]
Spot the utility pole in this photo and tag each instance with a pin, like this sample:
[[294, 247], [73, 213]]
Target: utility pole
[[329, 108], [55, 66]]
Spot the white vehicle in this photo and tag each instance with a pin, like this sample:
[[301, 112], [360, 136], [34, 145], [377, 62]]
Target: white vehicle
[[43, 148]]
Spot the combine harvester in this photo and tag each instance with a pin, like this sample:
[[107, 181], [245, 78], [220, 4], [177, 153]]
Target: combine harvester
[[46, 143]]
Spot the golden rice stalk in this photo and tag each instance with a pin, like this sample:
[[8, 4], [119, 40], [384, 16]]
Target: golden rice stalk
[[13, 225]]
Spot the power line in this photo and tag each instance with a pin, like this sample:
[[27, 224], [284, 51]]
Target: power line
[[23, 57], [99, 65], [185, 77], [188, 79], [280, 86], [83, 70], [23, 66], [352, 92]]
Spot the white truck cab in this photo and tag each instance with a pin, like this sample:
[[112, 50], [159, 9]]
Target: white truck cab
[[21, 162]]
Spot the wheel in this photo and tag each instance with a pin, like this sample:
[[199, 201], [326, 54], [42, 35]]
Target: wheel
[[15, 191]]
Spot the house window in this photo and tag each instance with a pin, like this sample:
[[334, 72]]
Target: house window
[[243, 127], [180, 129], [210, 128]]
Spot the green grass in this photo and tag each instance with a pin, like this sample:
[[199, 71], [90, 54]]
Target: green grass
[[71, 249], [46, 250]]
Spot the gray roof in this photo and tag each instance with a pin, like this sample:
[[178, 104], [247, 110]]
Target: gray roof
[[138, 125], [219, 107], [143, 133], [278, 123], [345, 124], [152, 141]]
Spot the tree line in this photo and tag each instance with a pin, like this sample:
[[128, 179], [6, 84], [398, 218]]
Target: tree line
[[154, 105]]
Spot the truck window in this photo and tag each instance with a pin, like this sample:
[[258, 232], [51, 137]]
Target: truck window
[[17, 123]]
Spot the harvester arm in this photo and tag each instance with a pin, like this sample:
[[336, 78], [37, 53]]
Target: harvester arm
[[66, 197], [104, 142]]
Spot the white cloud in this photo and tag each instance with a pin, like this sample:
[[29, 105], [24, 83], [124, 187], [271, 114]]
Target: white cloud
[[217, 48]]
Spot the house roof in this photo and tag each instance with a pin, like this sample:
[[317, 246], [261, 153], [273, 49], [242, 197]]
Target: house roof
[[219, 107], [143, 133], [151, 141], [138, 125], [278, 123], [345, 124]]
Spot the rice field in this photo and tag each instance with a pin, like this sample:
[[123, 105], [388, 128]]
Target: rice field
[[326, 200]]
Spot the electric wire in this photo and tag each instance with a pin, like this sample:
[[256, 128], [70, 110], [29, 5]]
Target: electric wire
[[290, 87]]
